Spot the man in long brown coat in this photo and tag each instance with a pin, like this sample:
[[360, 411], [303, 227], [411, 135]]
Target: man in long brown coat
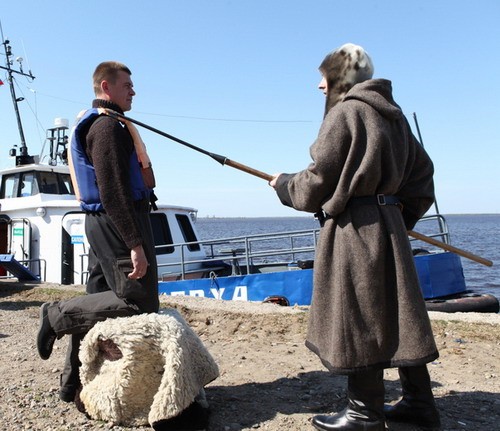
[[369, 181]]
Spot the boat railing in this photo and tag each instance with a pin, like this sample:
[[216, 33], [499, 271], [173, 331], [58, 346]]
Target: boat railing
[[427, 226], [248, 251], [244, 253], [38, 267], [84, 274]]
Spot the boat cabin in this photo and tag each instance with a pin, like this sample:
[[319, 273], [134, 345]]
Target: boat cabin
[[42, 229], [32, 182]]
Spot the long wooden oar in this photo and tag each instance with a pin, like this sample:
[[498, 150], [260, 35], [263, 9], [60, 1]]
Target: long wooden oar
[[451, 248], [225, 161]]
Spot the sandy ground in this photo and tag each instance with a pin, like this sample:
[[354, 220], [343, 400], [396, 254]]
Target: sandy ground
[[268, 379]]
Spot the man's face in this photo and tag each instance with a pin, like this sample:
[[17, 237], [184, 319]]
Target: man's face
[[122, 91], [323, 85]]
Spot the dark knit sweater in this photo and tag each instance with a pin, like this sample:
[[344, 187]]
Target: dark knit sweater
[[108, 146]]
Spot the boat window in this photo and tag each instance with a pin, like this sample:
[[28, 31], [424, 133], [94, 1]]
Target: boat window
[[55, 183], [31, 183], [29, 186], [48, 183], [10, 185], [66, 184], [19, 184], [161, 233], [187, 231]]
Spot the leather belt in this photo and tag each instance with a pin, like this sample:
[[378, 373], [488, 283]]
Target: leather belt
[[379, 199]]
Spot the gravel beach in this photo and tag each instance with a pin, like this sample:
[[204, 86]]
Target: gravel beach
[[268, 379]]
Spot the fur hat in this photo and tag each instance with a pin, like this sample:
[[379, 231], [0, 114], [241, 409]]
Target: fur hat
[[343, 68]]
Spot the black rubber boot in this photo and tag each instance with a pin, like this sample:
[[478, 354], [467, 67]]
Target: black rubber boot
[[417, 405], [364, 412], [46, 336], [70, 376]]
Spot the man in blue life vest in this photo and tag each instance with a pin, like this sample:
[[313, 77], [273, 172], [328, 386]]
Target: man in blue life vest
[[111, 189]]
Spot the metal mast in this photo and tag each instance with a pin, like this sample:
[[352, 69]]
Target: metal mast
[[24, 157]]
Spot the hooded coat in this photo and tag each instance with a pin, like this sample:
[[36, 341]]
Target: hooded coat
[[367, 309]]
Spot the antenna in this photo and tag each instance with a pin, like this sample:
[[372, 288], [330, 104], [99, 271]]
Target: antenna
[[24, 158], [26, 56], [422, 143]]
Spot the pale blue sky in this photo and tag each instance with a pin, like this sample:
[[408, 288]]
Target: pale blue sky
[[239, 78]]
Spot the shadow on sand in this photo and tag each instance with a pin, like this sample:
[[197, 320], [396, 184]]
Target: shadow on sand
[[247, 405]]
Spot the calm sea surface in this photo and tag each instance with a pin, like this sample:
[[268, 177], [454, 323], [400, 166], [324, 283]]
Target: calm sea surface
[[477, 233]]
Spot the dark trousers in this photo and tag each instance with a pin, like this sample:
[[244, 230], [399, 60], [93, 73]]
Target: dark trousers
[[111, 292]]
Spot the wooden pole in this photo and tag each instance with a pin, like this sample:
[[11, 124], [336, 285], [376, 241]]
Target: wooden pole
[[248, 170], [449, 247]]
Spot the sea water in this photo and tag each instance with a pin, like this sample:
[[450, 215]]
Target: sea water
[[475, 233], [478, 234]]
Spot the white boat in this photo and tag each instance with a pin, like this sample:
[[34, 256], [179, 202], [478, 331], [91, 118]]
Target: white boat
[[42, 226]]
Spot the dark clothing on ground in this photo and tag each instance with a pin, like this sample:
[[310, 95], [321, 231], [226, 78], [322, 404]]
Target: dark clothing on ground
[[367, 309]]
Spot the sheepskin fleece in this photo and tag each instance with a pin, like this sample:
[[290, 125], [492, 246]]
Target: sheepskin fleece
[[164, 367]]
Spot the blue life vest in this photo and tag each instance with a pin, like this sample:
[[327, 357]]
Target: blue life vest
[[86, 183]]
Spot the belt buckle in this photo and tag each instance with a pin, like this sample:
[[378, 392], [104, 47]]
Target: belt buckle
[[320, 216], [381, 199]]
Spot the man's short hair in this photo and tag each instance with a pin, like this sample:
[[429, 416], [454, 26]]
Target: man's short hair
[[107, 71]]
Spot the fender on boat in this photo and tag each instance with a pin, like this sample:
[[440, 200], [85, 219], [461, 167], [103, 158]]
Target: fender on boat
[[464, 302]]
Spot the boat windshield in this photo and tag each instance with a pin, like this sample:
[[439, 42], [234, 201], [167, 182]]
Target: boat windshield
[[30, 183]]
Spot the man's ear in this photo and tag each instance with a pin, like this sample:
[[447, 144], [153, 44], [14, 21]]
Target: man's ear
[[104, 87]]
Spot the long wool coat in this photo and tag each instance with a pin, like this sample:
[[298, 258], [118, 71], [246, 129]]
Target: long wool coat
[[367, 308]]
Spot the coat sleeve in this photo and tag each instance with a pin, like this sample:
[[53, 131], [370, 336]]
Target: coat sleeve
[[282, 189], [308, 189], [111, 160]]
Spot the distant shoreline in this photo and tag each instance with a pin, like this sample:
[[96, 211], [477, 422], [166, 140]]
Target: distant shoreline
[[213, 217]]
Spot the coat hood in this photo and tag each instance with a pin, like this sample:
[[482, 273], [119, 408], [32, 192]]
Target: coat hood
[[378, 94], [343, 68]]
